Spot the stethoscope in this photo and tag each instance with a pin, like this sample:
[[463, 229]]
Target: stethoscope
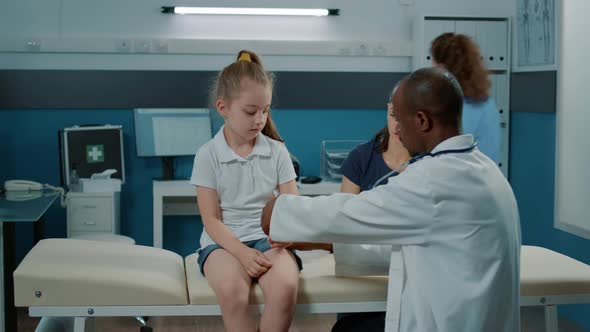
[[414, 159]]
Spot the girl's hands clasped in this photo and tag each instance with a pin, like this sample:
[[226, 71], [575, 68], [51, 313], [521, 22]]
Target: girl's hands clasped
[[254, 262]]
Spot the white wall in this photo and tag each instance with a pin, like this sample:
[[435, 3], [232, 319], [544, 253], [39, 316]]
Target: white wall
[[572, 179], [372, 35]]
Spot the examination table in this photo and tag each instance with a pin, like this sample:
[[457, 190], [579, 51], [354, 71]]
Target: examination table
[[85, 279]]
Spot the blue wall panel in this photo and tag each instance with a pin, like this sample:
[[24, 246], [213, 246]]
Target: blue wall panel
[[532, 175], [29, 150]]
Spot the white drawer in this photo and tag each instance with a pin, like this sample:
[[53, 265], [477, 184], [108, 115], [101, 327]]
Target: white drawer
[[90, 215], [88, 235]]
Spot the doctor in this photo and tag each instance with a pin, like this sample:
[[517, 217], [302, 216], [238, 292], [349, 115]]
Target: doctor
[[452, 212]]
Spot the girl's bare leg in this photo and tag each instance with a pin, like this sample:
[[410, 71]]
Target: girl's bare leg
[[231, 284], [279, 285]]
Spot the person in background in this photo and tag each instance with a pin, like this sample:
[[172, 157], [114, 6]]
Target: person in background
[[371, 160], [235, 174], [460, 55]]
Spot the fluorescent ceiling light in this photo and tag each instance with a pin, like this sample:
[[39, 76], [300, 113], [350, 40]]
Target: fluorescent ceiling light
[[249, 11]]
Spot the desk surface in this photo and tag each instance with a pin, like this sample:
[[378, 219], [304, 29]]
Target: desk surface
[[25, 206], [16, 206]]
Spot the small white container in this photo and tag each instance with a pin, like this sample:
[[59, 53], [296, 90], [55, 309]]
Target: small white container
[[99, 185]]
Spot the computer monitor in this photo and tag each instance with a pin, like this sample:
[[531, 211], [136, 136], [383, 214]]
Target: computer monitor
[[169, 133]]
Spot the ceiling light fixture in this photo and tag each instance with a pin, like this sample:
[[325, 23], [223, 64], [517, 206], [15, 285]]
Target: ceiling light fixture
[[249, 11]]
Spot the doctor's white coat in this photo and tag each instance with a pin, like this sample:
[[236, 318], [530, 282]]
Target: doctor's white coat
[[452, 225]]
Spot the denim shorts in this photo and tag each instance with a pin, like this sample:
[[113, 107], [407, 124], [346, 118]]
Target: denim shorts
[[261, 245]]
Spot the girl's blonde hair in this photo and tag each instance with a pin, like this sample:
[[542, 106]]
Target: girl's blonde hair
[[227, 85]]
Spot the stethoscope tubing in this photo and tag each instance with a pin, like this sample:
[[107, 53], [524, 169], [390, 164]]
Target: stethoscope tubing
[[414, 159]]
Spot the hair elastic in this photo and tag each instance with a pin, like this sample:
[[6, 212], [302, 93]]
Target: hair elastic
[[245, 57]]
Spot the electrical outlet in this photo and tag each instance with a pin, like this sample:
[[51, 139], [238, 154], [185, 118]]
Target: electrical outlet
[[123, 45], [362, 50], [33, 45], [141, 46], [160, 46], [345, 51], [379, 50]]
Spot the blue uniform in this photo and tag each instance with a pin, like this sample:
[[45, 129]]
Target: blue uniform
[[482, 120], [364, 165]]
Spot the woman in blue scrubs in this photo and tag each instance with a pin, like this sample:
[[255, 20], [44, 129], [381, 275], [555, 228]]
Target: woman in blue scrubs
[[460, 55]]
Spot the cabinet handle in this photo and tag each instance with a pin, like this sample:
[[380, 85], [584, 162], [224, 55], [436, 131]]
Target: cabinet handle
[[89, 223]]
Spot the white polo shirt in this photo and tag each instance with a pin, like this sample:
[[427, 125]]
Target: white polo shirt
[[243, 185]]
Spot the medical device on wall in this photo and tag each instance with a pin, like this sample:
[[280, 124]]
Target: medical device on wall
[[92, 167], [87, 150], [169, 133]]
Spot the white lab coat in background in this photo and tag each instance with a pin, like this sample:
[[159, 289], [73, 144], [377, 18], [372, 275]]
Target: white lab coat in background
[[456, 220]]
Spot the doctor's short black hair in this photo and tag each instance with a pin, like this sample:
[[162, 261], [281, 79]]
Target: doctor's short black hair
[[435, 91]]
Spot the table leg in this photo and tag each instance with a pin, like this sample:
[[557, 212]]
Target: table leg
[[9, 266], [2, 318], [158, 219], [38, 231]]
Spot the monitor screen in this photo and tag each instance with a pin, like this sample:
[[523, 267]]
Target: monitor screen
[[171, 132]]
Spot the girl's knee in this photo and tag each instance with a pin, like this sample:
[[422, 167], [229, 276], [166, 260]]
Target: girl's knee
[[233, 293], [284, 293]]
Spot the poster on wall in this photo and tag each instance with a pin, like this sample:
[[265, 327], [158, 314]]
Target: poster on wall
[[535, 32]]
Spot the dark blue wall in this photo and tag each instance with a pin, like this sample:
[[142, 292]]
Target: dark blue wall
[[29, 150], [532, 175]]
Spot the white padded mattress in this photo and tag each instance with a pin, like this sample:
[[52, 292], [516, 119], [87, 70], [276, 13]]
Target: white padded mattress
[[546, 272], [68, 272]]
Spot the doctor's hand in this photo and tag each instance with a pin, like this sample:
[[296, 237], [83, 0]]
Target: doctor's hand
[[281, 245], [266, 214], [254, 262], [306, 246]]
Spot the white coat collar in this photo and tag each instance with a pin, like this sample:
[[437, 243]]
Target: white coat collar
[[453, 143], [226, 154]]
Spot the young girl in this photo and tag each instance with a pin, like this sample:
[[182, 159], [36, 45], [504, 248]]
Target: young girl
[[236, 173]]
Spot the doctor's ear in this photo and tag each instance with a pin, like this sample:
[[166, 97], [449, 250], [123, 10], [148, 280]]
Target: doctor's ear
[[424, 122]]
